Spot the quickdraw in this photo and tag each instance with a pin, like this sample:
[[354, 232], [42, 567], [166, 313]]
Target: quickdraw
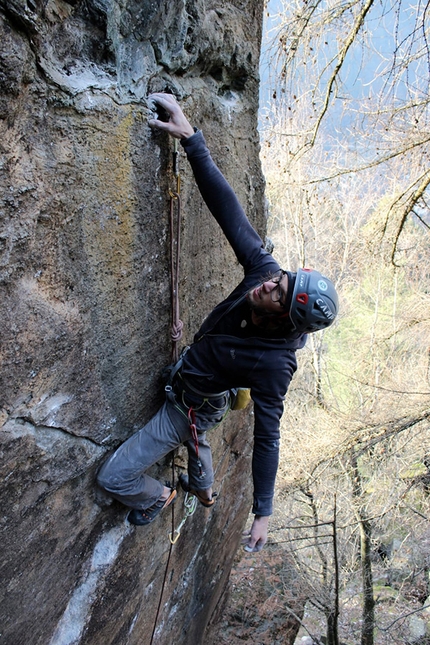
[[190, 503]]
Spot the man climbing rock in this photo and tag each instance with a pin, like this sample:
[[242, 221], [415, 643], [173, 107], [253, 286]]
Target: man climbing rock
[[248, 341]]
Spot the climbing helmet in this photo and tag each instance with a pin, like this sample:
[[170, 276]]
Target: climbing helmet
[[314, 303]]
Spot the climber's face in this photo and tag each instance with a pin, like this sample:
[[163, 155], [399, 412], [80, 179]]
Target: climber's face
[[270, 296]]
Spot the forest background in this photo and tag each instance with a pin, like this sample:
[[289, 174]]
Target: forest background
[[345, 150]]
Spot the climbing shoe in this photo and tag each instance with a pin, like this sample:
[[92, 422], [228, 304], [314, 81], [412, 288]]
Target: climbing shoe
[[185, 485], [148, 515]]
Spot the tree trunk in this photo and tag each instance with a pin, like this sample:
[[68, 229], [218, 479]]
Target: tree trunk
[[368, 613], [332, 631], [366, 572], [333, 617]]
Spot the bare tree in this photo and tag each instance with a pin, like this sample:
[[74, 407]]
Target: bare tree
[[345, 151], [333, 84], [362, 511], [359, 504]]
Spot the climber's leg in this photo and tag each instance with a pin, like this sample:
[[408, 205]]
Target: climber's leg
[[123, 474]]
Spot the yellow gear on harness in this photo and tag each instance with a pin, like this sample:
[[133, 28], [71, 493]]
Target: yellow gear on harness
[[243, 397]]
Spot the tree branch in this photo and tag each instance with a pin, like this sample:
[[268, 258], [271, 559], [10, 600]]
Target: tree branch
[[341, 59], [413, 199]]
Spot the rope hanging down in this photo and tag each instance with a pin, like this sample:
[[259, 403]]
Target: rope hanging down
[[190, 502], [175, 252], [176, 334]]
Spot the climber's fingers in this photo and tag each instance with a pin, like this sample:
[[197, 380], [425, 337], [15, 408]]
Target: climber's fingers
[[176, 124], [255, 539]]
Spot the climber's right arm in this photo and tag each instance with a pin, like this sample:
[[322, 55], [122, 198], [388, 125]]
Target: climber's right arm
[[178, 125]]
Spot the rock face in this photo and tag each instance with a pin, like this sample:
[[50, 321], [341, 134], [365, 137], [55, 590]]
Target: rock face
[[84, 284]]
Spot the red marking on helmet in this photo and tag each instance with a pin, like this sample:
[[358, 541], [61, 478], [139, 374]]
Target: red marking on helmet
[[308, 270], [302, 298]]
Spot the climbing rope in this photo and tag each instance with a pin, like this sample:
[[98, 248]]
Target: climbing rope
[[175, 255], [190, 503], [176, 334], [175, 252]]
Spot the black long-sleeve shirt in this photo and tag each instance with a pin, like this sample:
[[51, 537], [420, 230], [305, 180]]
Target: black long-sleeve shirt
[[228, 350]]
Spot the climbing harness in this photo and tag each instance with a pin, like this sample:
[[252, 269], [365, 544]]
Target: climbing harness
[[188, 400], [190, 503]]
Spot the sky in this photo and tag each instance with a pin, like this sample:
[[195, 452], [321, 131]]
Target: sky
[[373, 53]]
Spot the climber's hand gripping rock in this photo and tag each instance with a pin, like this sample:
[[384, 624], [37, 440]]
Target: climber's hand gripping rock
[[177, 126]]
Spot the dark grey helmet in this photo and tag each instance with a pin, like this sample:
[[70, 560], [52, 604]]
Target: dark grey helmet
[[314, 303]]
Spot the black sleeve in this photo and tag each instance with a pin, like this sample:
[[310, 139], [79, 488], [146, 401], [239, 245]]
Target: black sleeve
[[268, 397]]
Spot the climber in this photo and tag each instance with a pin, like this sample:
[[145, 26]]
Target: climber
[[248, 341]]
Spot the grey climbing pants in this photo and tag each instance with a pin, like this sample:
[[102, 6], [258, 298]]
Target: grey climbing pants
[[123, 475]]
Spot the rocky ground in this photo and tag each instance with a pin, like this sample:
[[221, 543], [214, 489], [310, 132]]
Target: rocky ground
[[261, 587]]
